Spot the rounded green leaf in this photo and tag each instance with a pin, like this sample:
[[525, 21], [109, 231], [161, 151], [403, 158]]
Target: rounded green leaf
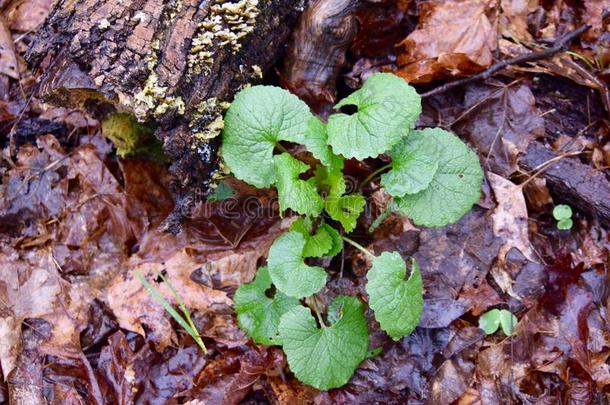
[[258, 118], [508, 322], [397, 304], [565, 224], [257, 314], [387, 110], [455, 187], [315, 140], [325, 357], [562, 211], [299, 195], [414, 163], [288, 270], [490, 321]]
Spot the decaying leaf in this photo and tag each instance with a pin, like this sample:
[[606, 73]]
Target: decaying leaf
[[27, 15], [500, 120], [513, 18], [453, 38], [8, 61], [510, 217]]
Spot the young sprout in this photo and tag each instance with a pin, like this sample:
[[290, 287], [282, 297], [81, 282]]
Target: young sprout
[[563, 214]]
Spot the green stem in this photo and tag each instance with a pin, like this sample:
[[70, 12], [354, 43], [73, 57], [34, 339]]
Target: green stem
[[372, 175], [358, 246]]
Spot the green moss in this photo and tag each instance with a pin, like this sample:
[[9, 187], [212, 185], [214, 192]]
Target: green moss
[[132, 138]]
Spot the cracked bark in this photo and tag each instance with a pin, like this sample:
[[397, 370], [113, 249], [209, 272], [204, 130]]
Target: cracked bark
[[150, 58]]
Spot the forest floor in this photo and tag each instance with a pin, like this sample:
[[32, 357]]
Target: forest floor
[[77, 221]]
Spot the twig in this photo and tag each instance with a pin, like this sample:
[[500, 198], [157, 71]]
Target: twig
[[358, 246], [558, 45]]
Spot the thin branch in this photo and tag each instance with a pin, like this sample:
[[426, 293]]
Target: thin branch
[[558, 46]]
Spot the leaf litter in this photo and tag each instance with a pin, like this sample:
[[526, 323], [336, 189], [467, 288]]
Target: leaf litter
[[76, 223]]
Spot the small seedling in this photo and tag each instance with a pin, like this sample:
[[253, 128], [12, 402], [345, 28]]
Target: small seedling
[[183, 320], [491, 320], [434, 179], [563, 215]]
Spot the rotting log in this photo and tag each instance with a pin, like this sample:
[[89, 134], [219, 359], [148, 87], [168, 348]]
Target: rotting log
[[571, 181], [177, 63], [317, 50]]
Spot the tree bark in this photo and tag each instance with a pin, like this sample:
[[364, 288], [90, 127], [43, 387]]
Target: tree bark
[[177, 63]]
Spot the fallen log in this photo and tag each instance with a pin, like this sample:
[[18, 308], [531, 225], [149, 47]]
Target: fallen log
[[176, 63], [571, 181]]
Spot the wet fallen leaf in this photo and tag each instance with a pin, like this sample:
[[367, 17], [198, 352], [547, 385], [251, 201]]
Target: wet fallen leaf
[[8, 61], [453, 38], [455, 373], [500, 121]]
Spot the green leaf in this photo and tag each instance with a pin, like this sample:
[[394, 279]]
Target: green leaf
[[288, 270], [508, 321], [455, 187], [562, 211], [325, 357], [345, 209], [397, 304], [257, 120], [257, 314], [337, 241], [221, 192], [316, 245], [299, 195], [330, 177], [325, 242], [414, 163], [565, 224], [387, 110], [315, 140], [490, 321]]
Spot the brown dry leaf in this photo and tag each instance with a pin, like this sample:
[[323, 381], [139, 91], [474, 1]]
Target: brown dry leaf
[[510, 217], [513, 18], [33, 288], [500, 121], [594, 10], [134, 307], [453, 38], [8, 61], [27, 15]]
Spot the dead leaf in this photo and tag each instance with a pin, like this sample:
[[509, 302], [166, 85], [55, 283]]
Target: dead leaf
[[8, 61], [513, 18], [510, 218], [34, 289], [453, 38], [455, 373], [134, 307], [27, 15], [594, 10], [500, 120]]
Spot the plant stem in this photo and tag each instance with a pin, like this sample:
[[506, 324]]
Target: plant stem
[[372, 175], [358, 246]]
